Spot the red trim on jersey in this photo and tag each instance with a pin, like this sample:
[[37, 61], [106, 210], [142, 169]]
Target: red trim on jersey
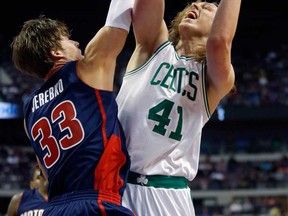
[[107, 173], [107, 178], [56, 68], [104, 117], [102, 209]]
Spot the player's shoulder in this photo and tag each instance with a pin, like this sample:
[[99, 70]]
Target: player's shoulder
[[17, 197], [14, 203]]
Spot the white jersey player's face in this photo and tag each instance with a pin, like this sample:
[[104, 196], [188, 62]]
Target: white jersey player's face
[[197, 20]]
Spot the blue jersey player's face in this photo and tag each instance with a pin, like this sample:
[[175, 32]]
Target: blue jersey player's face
[[70, 50]]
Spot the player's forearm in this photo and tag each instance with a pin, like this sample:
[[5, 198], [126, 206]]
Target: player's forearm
[[226, 19]]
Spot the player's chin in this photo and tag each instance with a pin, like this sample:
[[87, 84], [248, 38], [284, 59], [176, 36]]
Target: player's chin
[[189, 21], [187, 26], [79, 57]]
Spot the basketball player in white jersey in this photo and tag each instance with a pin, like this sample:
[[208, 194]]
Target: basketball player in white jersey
[[174, 81]]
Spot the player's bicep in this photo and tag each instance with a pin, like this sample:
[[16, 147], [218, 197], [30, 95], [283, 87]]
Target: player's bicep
[[98, 66], [14, 205], [106, 45]]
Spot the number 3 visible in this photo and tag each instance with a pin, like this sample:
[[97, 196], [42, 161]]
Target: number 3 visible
[[42, 127]]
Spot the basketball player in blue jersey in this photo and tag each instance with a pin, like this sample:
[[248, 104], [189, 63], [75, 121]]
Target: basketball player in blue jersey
[[31, 201], [71, 120], [174, 81]]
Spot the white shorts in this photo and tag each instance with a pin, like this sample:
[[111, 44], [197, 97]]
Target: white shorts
[[154, 201]]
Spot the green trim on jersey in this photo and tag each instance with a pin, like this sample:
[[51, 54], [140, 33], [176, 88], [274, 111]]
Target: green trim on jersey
[[203, 74], [149, 60], [158, 181], [205, 97]]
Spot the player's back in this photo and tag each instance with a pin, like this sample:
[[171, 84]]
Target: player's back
[[75, 133]]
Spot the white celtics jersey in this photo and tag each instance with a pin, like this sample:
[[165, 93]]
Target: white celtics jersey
[[163, 108]]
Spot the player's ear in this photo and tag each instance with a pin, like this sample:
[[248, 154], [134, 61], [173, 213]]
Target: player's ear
[[56, 53]]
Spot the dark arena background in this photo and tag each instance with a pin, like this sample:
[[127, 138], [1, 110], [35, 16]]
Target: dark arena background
[[243, 168]]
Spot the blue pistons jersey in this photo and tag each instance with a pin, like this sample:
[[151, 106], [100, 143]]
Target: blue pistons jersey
[[32, 203], [76, 134]]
